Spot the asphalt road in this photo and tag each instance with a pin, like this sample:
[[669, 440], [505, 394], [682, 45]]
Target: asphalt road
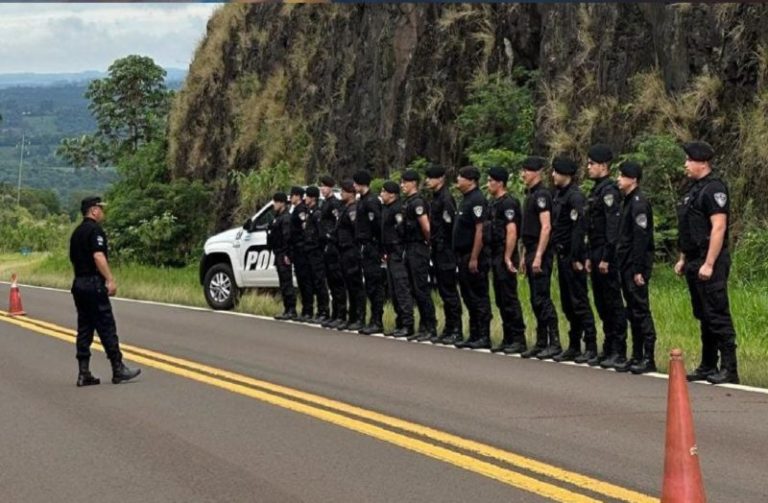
[[183, 432]]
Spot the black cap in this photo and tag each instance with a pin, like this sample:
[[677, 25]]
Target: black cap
[[313, 191], [534, 163], [631, 169], [470, 173], [391, 187], [600, 153], [410, 175], [280, 197], [327, 181], [435, 171], [498, 174], [564, 166], [362, 177], [348, 185], [699, 151], [88, 202], [297, 191]]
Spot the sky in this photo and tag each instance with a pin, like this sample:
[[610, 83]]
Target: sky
[[59, 38]]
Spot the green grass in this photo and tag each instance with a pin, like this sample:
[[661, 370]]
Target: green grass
[[670, 303]]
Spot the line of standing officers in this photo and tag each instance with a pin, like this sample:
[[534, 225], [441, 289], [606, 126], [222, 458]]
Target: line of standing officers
[[360, 245]]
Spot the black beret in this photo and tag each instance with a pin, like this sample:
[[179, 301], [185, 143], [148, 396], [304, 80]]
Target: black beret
[[564, 166], [470, 173], [435, 171], [88, 202], [362, 177], [631, 169], [498, 174], [280, 197], [600, 153], [347, 185], [391, 187], [327, 181], [313, 191], [534, 163], [699, 151], [410, 175], [297, 191]]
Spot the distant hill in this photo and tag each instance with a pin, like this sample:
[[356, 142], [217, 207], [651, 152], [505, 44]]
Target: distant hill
[[56, 79]]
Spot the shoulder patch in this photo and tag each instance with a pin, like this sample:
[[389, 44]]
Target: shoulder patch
[[478, 211], [721, 198], [419, 210], [352, 215], [398, 218], [641, 220], [302, 216], [335, 213], [574, 214], [100, 240], [447, 217], [541, 202], [509, 214], [371, 216], [608, 200]]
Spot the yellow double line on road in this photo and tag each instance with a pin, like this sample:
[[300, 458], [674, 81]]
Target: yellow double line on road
[[467, 454]]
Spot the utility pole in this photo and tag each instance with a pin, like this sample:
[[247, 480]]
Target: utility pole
[[21, 164]]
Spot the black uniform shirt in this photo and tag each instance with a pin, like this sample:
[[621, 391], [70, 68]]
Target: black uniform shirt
[[442, 211], [568, 223], [345, 227], [391, 226], [413, 208], [313, 237], [538, 199], [603, 215], [501, 212], [87, 239], [635, 246], [299, 215], [330, 209], [472, 211], [279, 235], [706, 197], [368, 222]]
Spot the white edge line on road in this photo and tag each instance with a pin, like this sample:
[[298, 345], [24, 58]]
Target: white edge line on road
[[739, 387]]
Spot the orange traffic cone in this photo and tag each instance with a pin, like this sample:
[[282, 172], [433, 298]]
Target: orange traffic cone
[[682, 473], [15, 308]]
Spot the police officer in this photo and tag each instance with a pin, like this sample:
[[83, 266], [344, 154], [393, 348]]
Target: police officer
[[472, 258], [368, 235], [392, 241], [349, 253], [635, 257], [704, 260], [568, 238], [278, 241], [502, 228], [91, 289], [604, 211], [301, 266], [537, 258], [442, 212], [313, 248], [416, 235], [330, 209]]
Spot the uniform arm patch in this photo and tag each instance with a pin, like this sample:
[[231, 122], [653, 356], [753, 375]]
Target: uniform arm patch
[[641, 220]]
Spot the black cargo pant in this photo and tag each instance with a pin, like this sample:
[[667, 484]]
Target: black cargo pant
[[547, 331], [335, 279], [474, 291], [574, 298], [303, 270], [370, 257], [317, 274], [711, 307], [353, 281], [606, 290], [417, 261], [400, 288], [505, 288], [444, 262], [285, 278], [639, 314], [94, 312]]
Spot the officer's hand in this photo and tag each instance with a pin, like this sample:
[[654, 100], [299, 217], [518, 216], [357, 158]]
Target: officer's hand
[[577, 266], [522, 266], [384, 258], [705, 272], [510, 266], [473, 266], [286, 260], [603, 267], [111, 288], [639, 280], [536, 266], [679, 267], [588, 265]]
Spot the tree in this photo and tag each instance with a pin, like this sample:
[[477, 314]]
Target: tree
[[84, 151]]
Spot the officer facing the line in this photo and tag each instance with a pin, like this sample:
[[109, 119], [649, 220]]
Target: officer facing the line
[[91, 289], [278, 241], [301, 265], [330, 209], [349, 252], [368, 235], [703, 216], [313, 248]]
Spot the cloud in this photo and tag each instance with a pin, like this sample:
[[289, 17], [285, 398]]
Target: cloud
[[47, 38]]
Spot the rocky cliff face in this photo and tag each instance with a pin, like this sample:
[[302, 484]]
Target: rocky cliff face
[[338, 87]]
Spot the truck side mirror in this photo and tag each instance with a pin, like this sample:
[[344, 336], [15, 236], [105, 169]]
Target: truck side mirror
[[248, 225]]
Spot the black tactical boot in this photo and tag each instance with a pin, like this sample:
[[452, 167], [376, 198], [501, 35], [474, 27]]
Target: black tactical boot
[[612, 360], [373, 328], [644, 366], [626, 365], [701, 373], [354, 326], [122, 373], [589, 354], [515, 348], [403, 332], [728, 368], [481, 343], [541, 344], [568, 355], [287, 315], [84, 376]]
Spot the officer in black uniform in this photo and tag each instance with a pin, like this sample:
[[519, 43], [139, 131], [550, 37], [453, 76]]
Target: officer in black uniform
[[313, 249], [442, 212], [91, 289], [537, 258], [392, 241], [416, 235], [278, 241], [704, 215], [330, 209], [368, 235], [473, 259], [301, 266], [502, 230], [604, 212], [568, 238], [635, 256], [349, 253]]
